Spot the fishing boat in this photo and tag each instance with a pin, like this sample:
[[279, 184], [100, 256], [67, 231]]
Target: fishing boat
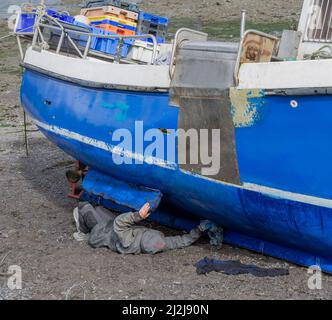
[[267, 99]]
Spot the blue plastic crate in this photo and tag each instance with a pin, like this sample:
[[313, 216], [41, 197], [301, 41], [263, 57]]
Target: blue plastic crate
[[26, 23], [66, 18], [109, 46], [60, 16], [144, 16], [83, 39], [113, 23], [159, 39], [52, 13]]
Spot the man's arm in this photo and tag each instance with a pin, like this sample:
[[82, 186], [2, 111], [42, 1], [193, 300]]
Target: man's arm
[[127, 220], [180, 242]]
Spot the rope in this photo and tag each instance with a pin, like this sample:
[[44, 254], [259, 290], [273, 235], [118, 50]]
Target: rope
[[7, 36], [13, 34], [324, 52], [40, 13]]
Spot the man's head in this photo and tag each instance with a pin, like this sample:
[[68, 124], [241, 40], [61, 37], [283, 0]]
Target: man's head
[[145, 211]]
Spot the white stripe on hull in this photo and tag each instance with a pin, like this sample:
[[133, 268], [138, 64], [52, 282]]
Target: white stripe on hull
[[105, 146], [275, 193]]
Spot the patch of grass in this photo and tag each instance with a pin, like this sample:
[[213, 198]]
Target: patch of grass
[[6, 125], [228, 29]]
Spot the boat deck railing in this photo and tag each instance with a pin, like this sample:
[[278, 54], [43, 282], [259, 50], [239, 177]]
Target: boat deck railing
[[67, 33], [86, 51], [318, 26]]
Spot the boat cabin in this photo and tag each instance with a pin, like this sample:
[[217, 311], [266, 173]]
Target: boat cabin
[[315, 25]]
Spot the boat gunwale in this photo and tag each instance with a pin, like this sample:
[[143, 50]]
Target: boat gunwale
[[91, 84]]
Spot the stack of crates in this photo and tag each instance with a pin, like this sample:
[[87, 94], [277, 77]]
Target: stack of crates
[[154, 25], [113, 19]]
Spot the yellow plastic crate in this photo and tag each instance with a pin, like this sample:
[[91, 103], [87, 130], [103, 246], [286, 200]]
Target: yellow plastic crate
[[115, 19]]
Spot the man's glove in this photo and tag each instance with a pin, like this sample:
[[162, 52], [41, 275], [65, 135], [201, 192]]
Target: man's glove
[[206, 225]]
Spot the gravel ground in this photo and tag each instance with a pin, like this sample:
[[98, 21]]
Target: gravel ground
[[36, 228], [258, 10]]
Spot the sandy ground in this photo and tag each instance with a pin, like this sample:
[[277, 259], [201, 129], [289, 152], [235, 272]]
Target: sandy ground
[[36, 228]]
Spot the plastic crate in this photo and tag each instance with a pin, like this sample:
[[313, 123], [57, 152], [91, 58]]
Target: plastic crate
[[130, 6], [122, 13], [125, 22], [79, 40], [25, 23], [68, 19], [116, 30], [110, 46], [160, 36], [113, 23], [103, 24], [153, 26], [93, 12], [82, 40], [141, 51], [156, 33], [144, 16], [110, 10], [127, 5], [159, 40], [60, 16]]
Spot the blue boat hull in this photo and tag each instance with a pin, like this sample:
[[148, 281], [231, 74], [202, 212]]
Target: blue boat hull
[[290, 219]]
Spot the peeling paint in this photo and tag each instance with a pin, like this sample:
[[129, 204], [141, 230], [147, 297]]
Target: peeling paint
[[245, 105]]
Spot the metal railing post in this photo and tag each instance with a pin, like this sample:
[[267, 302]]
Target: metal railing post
[[87, 48], [58, 49], [20, 47], [243, 23], [90, 36], [119, 51]]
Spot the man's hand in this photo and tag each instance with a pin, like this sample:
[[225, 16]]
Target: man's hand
[[145, 211]]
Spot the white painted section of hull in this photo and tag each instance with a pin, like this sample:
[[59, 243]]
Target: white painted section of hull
[[101, 72], [105, 146], [286, 75]]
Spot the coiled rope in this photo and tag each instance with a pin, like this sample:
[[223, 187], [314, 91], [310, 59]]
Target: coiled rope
[[324, 52]]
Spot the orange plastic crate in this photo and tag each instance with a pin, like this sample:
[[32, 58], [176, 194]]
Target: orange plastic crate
[[117, 30]]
